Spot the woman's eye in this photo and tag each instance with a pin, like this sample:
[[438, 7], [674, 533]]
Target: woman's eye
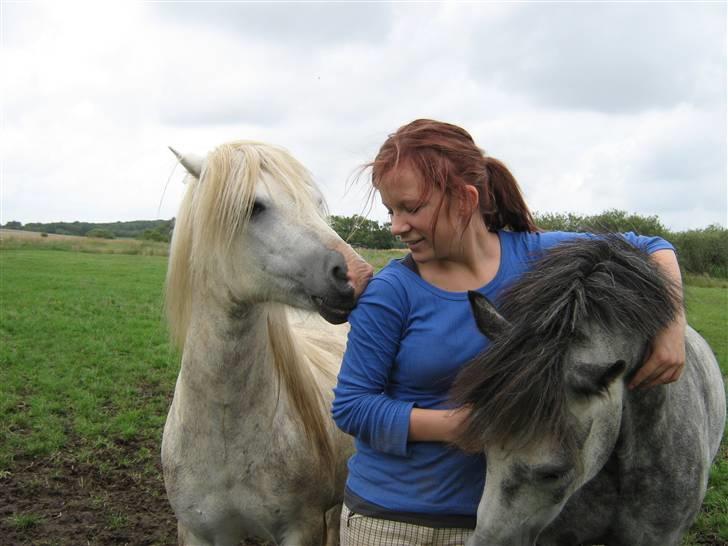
[[258, 208], [413, 211]]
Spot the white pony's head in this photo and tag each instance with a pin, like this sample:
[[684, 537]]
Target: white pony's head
[[251, 229]]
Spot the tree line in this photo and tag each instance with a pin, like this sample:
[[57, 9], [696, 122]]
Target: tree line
[[152, 230], [701, 251]]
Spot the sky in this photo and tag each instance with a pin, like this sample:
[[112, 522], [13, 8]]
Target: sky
[[592, 105]]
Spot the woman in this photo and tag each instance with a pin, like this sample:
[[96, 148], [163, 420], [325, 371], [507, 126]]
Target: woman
[[467, 227]]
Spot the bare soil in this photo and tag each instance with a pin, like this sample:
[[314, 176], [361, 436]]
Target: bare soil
[[59, 501]]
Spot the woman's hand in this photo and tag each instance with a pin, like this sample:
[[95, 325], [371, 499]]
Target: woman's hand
[[666, 358]]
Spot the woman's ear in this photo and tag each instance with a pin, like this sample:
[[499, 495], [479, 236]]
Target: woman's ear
[[470, 200]]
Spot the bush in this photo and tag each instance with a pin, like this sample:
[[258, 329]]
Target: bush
[[158, 234], [362, 232], [703, 251], [608, 221], [100, 233]]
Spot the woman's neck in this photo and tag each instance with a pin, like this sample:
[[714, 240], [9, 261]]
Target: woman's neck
[[473, 261]]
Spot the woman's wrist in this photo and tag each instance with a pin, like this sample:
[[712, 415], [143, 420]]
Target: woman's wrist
[[431, 425]]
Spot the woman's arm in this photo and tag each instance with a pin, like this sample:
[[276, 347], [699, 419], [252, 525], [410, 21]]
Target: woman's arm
[[666, 358], [429, 425], [361, 406]]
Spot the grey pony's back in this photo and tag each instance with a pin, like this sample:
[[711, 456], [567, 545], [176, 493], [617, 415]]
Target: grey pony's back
[[689, 433], [702, 368]]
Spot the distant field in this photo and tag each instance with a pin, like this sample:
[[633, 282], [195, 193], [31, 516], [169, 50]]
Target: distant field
[[21, 234], [86, 377], [18, 239]]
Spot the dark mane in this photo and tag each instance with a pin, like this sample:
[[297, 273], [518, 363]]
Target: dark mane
[[516, 388]]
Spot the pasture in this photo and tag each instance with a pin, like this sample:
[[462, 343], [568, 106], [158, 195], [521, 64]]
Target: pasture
[[87, 374]]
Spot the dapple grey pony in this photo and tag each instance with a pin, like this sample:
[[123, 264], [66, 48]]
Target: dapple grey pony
[[573, 456], [249, 449]]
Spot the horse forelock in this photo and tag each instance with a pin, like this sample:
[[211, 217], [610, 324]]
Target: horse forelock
[[217, 206], [516, 389]]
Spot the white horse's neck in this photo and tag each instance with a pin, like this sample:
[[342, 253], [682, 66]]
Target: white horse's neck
[[226, 357]]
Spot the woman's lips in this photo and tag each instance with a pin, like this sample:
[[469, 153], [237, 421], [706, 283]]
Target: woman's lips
[[412, 244]]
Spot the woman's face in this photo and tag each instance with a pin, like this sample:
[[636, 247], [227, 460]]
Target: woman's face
[[401, 190]]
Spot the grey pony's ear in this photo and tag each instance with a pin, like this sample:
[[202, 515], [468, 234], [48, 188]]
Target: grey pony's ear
[[192, 163], [489, 321]]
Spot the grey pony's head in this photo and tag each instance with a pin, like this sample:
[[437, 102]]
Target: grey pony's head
[[517, 389]]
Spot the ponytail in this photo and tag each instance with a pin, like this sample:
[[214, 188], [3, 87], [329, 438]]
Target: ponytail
[[502, 203]]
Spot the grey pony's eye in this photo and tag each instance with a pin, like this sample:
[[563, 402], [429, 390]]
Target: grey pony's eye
[[550, 474], [258, 208]]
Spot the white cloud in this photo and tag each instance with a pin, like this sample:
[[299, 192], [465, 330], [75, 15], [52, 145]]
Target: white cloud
[[593, 106], [605, 56]]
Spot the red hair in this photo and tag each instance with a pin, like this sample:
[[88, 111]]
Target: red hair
[[447, 158]]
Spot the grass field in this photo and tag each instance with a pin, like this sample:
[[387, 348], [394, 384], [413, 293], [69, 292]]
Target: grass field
[[86, 376]]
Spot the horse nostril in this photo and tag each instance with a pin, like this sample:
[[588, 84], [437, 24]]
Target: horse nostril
[[339, 273]]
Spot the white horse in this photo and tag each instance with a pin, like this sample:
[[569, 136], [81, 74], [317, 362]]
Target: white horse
[[249, 449]]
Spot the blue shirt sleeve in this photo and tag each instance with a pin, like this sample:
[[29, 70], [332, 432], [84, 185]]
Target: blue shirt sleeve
[[361, 405], [648, 244]]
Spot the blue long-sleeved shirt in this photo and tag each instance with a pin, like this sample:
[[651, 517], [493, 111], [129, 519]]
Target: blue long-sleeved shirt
[[408, 340]]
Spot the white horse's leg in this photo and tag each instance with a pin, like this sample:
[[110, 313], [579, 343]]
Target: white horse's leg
[[309, 531], [185, 537], [332, 521]]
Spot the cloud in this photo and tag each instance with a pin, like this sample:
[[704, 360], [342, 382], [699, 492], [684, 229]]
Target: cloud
[[306, 24], [593, 106], [613, 58]]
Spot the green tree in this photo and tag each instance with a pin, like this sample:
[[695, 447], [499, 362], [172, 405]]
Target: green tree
[[160, 233], [363, 232], [100, 233], [610, 220]]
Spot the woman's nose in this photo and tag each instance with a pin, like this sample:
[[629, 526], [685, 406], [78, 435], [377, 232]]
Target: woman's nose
[[399, 225]]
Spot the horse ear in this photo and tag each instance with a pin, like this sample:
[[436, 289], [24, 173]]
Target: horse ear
[[489, 321], [591, 379], [192, 163]]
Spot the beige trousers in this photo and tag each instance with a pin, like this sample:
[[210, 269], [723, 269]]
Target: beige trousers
[[358, 530]]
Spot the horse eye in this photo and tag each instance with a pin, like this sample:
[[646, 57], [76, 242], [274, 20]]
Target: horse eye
[[551, 475], [258, 208]]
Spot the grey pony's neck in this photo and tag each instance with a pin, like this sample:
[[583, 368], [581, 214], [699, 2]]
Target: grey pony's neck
[[226, 356]]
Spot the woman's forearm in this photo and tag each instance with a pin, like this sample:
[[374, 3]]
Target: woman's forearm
[[428, 425], [666, 357]]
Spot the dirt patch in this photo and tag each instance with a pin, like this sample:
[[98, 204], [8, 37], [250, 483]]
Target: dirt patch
[[116, 497]]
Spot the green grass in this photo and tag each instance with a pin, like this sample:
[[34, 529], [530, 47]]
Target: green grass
[[23, 522], [707, 311], [704, 281], [379, 258], [83, 350], [85, 360]]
